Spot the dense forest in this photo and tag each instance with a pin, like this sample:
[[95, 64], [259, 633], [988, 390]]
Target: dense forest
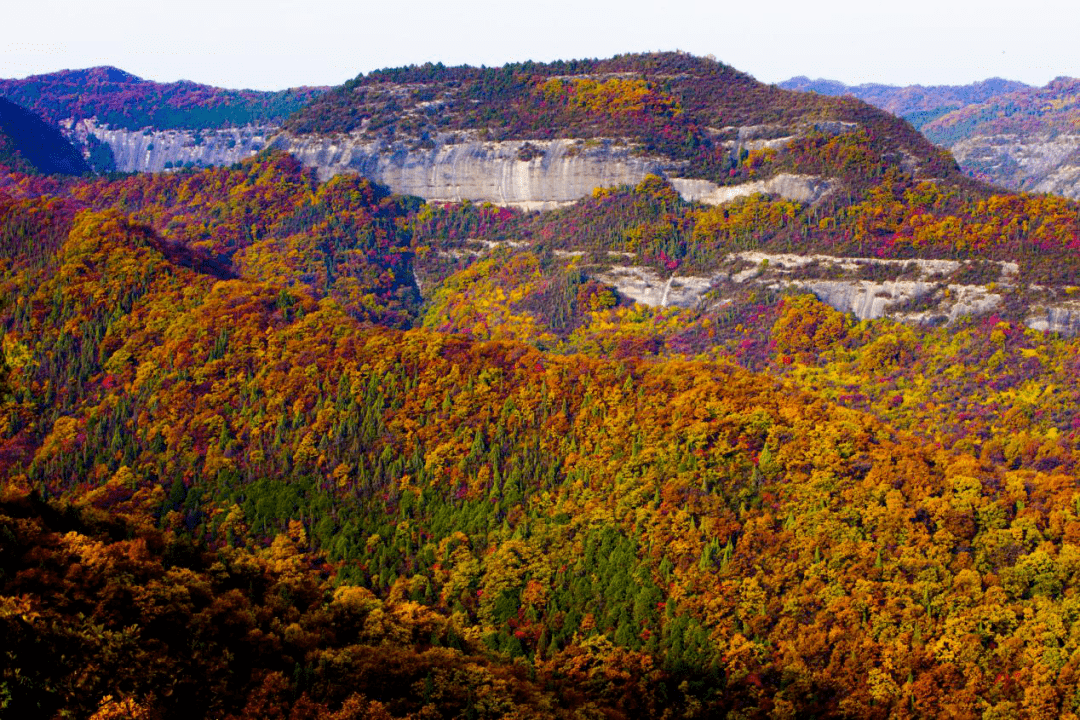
[[273, 447]]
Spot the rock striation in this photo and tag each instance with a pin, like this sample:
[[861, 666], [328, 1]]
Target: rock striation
[[922, 292], [151, 150], [1035, 162], [1063, 318], [531, 175], [805, 189]]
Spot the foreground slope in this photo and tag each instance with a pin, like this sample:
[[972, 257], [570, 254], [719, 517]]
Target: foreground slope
[[643, 532], [163, 627]]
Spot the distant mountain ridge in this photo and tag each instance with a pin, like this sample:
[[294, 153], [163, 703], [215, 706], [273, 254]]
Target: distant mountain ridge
[[1004, 132], [918, 104], [122, 100]]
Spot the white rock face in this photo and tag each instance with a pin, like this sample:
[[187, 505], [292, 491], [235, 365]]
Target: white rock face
[[925, 266], [646, 286], [643, 285], [157, 150], [805, 189], [1062, 318], [864, 299], [559, 171], [868, 300], [936, 301], [535, 175]]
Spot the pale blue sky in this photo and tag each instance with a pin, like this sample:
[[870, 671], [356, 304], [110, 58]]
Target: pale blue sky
[[272, 44]]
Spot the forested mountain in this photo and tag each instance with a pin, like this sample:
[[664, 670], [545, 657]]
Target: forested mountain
[[122, 122], [676, 105], [281, 447]]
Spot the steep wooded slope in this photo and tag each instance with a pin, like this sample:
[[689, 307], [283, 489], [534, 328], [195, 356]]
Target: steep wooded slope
[[29, 144]]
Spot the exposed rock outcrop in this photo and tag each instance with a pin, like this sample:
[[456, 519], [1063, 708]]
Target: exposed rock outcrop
[[156, 150], [921, 294], [1061, 318], [805, 189], [868, 300], [646, 286], [530, 175], [1043, 162]]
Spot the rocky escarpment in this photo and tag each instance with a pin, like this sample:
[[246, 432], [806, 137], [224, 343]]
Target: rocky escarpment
[[922, 292], [1037, 162], [531, 175], [151, 150], [806, 189]]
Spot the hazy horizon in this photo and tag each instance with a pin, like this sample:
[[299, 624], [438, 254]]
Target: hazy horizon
[[278, 44]]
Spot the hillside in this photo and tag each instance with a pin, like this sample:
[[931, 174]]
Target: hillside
[[1028, 139], [29, 144], [1006, 133], [759, 507], [699, 116], [247, 634]]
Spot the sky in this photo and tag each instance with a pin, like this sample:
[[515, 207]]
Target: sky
[[274, 44]]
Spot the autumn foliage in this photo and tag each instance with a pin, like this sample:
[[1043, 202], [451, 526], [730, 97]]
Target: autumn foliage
[[273, 447]]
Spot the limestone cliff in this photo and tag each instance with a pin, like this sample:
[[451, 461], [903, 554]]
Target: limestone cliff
[[529, 175], [1034, 162], [152, 150], [920, 291]]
